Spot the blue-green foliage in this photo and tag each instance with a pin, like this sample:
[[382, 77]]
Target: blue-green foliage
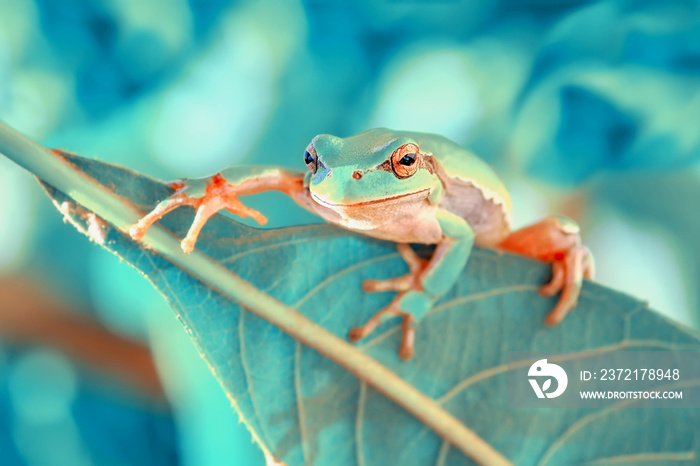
[[53, 413], [548, 91], [305, 408]]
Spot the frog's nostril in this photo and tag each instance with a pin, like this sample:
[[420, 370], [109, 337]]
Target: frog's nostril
[[356, 175]]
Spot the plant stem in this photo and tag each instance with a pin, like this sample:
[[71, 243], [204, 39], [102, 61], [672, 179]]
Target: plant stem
[[93, 196]]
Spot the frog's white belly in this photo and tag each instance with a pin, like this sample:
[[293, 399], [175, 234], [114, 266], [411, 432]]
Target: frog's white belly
[[408, 218]]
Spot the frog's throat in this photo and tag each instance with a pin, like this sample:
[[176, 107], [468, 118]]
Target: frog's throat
[[421, 193]]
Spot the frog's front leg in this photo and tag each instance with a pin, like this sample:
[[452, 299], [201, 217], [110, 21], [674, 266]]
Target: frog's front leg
[[425, 283], [221, 191], [555, 240]]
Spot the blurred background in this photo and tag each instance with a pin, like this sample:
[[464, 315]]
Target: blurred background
[[586, 108]]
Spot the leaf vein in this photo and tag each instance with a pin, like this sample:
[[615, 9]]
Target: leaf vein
[[639, 457], [442, 454], [358, 423], [322, 284], [233, 258]]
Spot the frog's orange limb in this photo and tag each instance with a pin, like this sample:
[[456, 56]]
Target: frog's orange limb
[[410, 281], [557, 281], [173, 202], [426, 281], [220, 194], [403, 284], [408, 334], [555, 240]]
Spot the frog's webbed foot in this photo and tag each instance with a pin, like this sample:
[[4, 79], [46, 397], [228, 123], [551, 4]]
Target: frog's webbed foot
[[218, 194], [578, 261], [410, 281], [390, 311], [178, 199], [209, 196], [567, 276], [556, 240]]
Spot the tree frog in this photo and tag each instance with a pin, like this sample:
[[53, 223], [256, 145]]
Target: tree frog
[[405, 187]]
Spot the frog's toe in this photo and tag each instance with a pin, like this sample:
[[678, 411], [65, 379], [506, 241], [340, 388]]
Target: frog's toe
[[407, 327], [410, 281], [207, 207], [235, 206], [138, 230], [556, 283], [355, 334], [567, 276], [408, 337], [567, 301], [410, 306], [391, 310]]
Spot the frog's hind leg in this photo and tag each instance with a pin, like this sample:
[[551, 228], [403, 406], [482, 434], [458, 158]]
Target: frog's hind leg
[[555, 240], [403, 284]]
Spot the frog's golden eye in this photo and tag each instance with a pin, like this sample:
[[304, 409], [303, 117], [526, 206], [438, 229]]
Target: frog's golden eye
[[404, 160], [310, 158]]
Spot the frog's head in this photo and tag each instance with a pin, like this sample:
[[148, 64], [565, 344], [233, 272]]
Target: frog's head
[[379, 166]]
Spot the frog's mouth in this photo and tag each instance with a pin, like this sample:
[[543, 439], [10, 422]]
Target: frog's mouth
[[412, 197]]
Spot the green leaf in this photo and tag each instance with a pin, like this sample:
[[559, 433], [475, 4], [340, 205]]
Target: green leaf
[[307, 409]]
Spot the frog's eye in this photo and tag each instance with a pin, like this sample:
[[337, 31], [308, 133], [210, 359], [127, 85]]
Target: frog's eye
[[404, 160], [310, 158]]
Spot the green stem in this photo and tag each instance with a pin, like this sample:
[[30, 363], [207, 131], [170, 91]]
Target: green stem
[[99, 199]]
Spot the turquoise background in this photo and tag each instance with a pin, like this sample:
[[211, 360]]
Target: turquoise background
[[589, 109]]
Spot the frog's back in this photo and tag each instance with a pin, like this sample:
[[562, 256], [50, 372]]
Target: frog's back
[[472, 189]]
